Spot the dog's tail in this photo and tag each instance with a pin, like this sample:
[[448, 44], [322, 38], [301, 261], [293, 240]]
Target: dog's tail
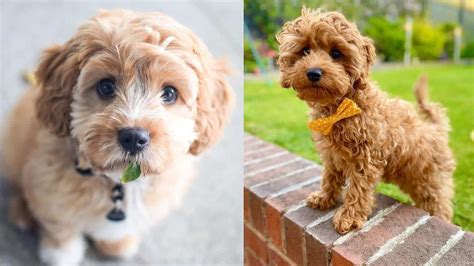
[[433, 112]]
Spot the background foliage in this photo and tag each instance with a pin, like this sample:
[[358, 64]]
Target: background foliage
[[383, 21]]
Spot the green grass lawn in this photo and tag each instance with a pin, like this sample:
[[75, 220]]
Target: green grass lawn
[[276, 115]]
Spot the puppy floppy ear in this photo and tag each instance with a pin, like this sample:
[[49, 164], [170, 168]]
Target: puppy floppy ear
[[369, 50], [56, 75], [215, 101], [284, 83]]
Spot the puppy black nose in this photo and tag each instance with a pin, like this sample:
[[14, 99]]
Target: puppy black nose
[[133, 139], [314, 74]]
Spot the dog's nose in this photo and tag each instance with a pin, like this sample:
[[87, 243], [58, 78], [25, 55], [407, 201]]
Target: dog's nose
[[314, 74], [133, 139]]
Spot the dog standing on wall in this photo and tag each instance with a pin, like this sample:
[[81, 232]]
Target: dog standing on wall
[[362, 135], [126, 88]]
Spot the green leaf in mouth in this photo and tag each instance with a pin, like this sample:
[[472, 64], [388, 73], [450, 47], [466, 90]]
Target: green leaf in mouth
[[131, 173]]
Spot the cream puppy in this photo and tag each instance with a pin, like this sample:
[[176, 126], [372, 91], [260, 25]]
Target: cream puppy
[[128, 87]]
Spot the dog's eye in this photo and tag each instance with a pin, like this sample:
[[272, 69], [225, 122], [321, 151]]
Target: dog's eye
[[335, 54], [169, 95], [106, 88], [306, 51]]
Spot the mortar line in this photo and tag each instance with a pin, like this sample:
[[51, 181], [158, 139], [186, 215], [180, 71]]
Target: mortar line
[[295, 187], [309, 167], [321, 219], [257, 151], [273, 167], [377, 219], [271, 156], [394, 242], [452, 241], [255, 144]]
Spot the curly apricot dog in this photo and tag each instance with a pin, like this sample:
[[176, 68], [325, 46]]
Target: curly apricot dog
[[326, 60]]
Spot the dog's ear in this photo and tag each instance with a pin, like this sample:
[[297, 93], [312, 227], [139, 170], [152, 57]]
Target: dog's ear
[[56, 75], [369, 50], [284, 82], [215, 101]]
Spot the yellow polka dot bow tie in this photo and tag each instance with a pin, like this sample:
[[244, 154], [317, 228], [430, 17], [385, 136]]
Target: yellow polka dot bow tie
[[324, 125]]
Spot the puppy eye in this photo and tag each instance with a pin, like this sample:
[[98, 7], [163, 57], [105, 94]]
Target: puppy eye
[[106, 88], [169, 95], [335, 54], [306, 51]]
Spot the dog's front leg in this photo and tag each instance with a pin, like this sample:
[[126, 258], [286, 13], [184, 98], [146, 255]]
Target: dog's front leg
[[331, 187], [61, 247], [359, 198]]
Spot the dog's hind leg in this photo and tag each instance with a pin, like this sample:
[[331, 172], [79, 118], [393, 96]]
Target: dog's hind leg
[[330, 191], [433, 193]]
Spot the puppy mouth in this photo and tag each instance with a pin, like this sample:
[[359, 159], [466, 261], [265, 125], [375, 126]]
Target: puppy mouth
[[313, 92], [122, 163]]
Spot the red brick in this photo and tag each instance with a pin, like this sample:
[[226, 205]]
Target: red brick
[[255, 243], [255, 146], [363, 245], [317, 246], [268, 163], [320, 238], [246, 205], [250, 140], [257, 215], [258, 194], [420, 246], [275, 257], [461, 253], [275, 173], [295, 223], [250, 259], [273, 187], [262, 154], [277, 206]]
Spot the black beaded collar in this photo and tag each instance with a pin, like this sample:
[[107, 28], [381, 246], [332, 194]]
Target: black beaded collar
[[118, 194]]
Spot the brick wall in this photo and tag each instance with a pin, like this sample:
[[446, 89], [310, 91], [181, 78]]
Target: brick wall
[[281, 230]]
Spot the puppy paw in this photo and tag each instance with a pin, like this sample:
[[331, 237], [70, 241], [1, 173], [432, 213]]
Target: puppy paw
[[124, 248], [320, 200], [346, 219], [70, 253]]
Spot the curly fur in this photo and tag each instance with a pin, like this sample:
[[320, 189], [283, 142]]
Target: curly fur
[[63, 120], [388, 141]]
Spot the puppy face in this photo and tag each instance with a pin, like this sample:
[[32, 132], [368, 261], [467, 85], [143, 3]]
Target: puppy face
[[323, 56], [133, 87]]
